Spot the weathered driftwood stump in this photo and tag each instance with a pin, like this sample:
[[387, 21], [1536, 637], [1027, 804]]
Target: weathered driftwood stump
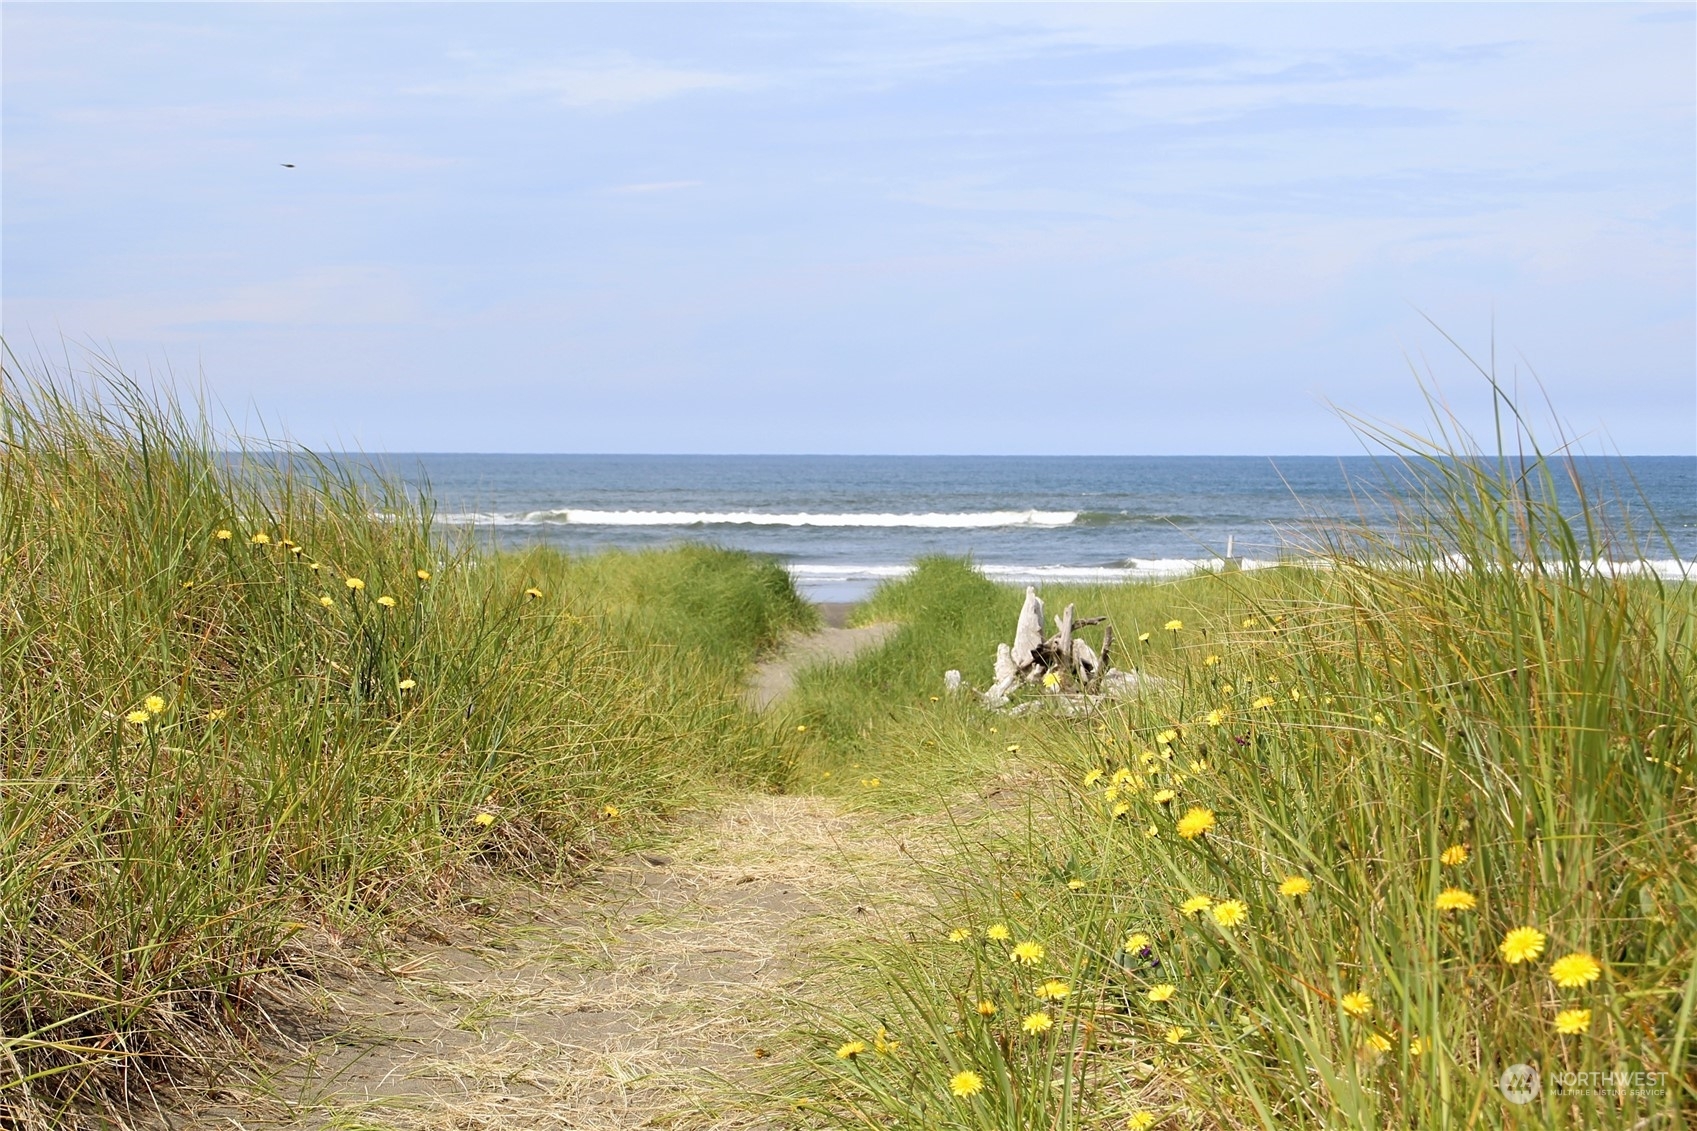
[[1063, 663]]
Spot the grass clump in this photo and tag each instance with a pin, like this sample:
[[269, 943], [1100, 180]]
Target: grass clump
[[253, 705], [1390, 828]]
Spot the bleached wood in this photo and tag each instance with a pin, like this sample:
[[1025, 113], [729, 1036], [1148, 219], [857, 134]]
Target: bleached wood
[[1028, 633]]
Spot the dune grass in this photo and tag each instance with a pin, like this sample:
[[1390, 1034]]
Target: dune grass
[[243, 712], [1390, 828]]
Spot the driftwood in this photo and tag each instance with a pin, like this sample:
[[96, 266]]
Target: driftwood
[[1068, 669]]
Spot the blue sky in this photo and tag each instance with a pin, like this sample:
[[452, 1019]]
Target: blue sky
[[715, 228]]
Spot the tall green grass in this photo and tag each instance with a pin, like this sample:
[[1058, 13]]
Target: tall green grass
[[240, 714], [1466, 705]]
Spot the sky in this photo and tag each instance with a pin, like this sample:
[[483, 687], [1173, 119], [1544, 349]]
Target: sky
[[1137, 229]]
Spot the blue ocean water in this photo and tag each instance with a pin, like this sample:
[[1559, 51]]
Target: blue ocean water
[[840, 523]]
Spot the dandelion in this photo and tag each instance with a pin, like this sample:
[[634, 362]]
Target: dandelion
[[1523, 944], [154, 704], [1139, 1121], [1163, 796], [407, 684], [484, 820], [326, 600], [1122, 809], [353, 583], [1454, 855], [1378, 719], [1053, 990], [1295, 695], [609, 811], [1143, 638], [1173, 626], [136, 718], [884, 1045], [1037, 1023], [1227, 689], [1417, 1046], [1572, 1022], [1195, 905], [1092, 778], [1136, 941], [1162, 992], [314, 566], [1195, 823], [533, 593], [188, 585], [223, 535], [986, 1008], [1262, 703], [215, 714], [1167, 737], [1028, 953], [1198, 767], [1571, 971], [1216, 717], [851, 1049], [1013, 748], [386, 601], [1075, 884], [422, 575], [1356, 1004], [1151, 832], [802, 729], [1051, 680], [1230, 913], [960, 934], [1454, 899], [1123, 776], [1378, 1042], [1294, 886], [1210, 661], [966, 1084], [261, 539], [1176, 1034], [998, 931], [1249, 622]]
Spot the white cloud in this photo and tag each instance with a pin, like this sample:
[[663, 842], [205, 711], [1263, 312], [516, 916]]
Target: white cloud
[[604, 81]]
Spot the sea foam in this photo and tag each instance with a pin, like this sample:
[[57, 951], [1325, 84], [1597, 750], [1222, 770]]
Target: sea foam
[[576, 517]]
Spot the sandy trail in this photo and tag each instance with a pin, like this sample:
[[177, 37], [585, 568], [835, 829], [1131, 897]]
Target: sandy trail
[[638, 998]]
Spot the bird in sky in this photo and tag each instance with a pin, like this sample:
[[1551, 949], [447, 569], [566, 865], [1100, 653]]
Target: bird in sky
[[286, 165]]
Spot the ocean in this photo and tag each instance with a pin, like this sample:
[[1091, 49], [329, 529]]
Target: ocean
[[843, 523]]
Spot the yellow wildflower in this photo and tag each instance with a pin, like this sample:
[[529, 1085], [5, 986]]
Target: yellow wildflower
[[1176, 1034], [353, 583], [1356, 1004], [1453, 855], [609, 811], [1121, 809], [1195, 823], [1195, 905], [1162, 992], [1092, 778], [1173, 625], [223, 536], [154, 704], [986, 1008], [1143, 638], [1123, 776], [1163, 796], [871, 783], [407, 684], [1571, 971], [1028, 953], [1051, 680], [1075, 884], [484, 819], [1210, 661], [1523, 944], [1417, 1046], [1454, 899], [136, 718], [1378, 719], [998, 932], [885, 1045], [1249, 622], [533, 593], [1230, 913], [851, 1049], [1037, 1023], [1572, 1022], [1294, 886], [1378, 1042], [1053, 990], [261, 539], [966, 1084], [1216, 717], [1262, 703], [216, 713], [1139, 1121], [326, 600], [386, 601], [1136, 941], [1167, 737], [960, 934]]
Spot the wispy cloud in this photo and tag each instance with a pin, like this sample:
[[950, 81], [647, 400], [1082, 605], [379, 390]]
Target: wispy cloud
[[606, 81]]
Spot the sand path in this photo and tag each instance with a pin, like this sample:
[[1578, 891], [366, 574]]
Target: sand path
[[648, 995]]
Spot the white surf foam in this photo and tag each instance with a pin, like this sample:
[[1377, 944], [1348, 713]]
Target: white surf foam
[[576, 517]]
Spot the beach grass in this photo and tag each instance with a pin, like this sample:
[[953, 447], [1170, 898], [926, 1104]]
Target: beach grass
[[255, 708], [1388, 829]]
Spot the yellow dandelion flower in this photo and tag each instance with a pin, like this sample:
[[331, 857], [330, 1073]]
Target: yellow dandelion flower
[[1051, 680], [1163, 796], [1013, 748], [1136, 941], [1294, 886], [484, 819], [998, 931], [407, 684], [960, 934], [1572, 1022], [871, 783], [1216, 717], [327, 600], [1454, 855], [353, 583], [1173, 626], [1122, 809], [1167, 737], [1378, 719], [885, 1045], [1028, 953], [314, 566], [386, 601], [188, 585], [533, 593], [966, 1084], [1210, 661], [1378, 1042], [1295, 695], [1195, 905], [224, 535], [136, 718], [1523, 944], [1139, 1121], [1230, 913], [422, 574], [986, 1008], [1195, 823], [1037, 1023], [1227, 689], [851, 1049], [1454, 899], [1143, 638], [1571, 971], [1123, 776], [802, 729], [610, 811], [1075, 884], [1262, 703], [1151, 832], [1417, 1046], [1162, 992], [1176, 1034], [1092, 778], [216, 713], [1198, 767], [261, 539], [1356, 1004], [154, 704], [1249, 622], [1053, 990]]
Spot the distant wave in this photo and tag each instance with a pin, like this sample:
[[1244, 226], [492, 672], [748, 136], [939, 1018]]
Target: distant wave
[[575, 517]]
